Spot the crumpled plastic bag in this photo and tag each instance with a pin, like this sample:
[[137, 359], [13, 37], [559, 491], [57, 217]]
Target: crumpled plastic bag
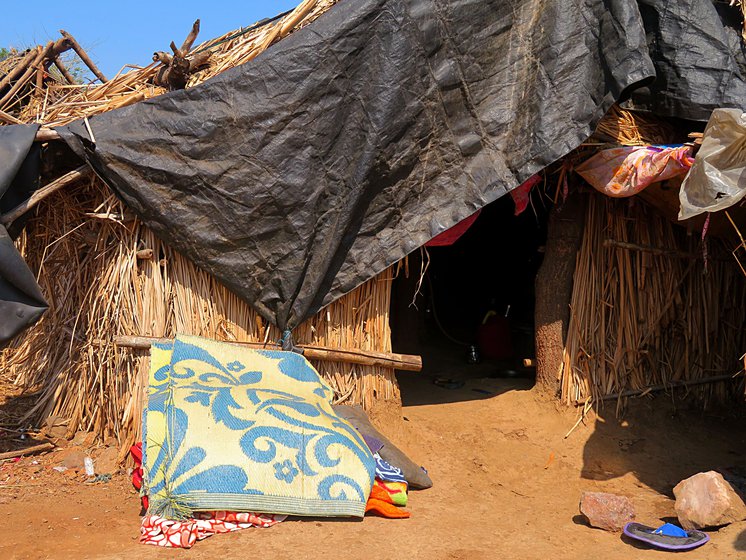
[[717, 179], [625, 171]]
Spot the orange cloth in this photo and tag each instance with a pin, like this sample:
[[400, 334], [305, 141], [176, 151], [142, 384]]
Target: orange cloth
[[380, 502]]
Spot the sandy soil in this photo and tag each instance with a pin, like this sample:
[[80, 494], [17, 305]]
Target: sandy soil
[[507, 485]]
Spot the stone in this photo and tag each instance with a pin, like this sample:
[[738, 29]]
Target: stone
[[106, 461], [606, 511], [707, 500]]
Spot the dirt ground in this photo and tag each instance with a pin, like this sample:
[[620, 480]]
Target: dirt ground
[[507, 485]]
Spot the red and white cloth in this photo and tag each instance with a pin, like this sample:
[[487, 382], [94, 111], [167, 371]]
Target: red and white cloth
[[158, 531]]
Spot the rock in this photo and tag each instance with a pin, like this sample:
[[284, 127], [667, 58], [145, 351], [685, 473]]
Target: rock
[[606, 511], [106, 461], [72, 458], [707, 500]]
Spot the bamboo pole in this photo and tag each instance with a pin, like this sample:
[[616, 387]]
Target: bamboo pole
[[42, 193], [404, 362]]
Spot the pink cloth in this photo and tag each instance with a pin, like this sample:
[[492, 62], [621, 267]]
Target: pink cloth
[[625, 171], [158, 531]]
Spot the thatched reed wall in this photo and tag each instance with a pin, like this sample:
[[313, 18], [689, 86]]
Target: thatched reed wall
[[84, 248], [640, 319]]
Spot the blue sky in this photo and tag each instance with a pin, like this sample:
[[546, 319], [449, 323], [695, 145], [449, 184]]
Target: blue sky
[[119, 33]]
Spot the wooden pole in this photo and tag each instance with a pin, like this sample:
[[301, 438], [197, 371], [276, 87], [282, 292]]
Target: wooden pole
[[42, 193], [10, 119], [404, 362], [83, 56], [53, 48], [45, 134], [655, 388], [27, 74], [554, 285], [63, 70], [28, 451], [20, 68]]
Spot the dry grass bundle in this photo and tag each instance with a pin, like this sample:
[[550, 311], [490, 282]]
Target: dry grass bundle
[[630, 128], [641, 318], [85, 250], [57, 104]]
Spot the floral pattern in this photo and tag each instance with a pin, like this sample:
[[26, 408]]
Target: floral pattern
[[251, 430], [286, 471]]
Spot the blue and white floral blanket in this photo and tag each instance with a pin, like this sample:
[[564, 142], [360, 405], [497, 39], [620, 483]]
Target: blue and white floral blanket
[[232, 428]]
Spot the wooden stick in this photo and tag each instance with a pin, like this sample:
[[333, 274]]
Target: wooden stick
[[404, 362], [63, 70], [28, 451], [52, 48], [655, 388], [10, 119], [42, 193], [186, 46], [648, 249], [45, 134], [20, 68], [83, 56]]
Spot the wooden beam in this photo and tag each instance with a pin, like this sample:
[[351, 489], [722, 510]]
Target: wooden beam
[[404, 362], [84, 56], [655, 388], [42, 193]]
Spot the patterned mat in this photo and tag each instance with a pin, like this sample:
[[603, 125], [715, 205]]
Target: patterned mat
[[232, 428]]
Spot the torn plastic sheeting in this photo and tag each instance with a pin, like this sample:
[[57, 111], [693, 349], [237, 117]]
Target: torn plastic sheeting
[[21, 301], [625, 171], [717, 179]]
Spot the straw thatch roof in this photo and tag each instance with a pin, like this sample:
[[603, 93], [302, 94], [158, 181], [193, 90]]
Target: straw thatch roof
[[42, 98]]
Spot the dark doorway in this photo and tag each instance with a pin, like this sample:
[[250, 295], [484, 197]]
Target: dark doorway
[[476, 295]]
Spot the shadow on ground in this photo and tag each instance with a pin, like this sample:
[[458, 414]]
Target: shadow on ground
[[662, 444], [740, 543]]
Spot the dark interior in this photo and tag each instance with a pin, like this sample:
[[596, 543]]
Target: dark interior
[[488, 272]]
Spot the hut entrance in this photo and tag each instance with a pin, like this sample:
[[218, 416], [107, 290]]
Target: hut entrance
[[473, 316]]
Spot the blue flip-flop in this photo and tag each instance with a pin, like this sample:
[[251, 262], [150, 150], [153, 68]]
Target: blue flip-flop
[[667, 536]]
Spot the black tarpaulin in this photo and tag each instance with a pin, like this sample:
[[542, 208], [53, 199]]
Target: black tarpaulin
[[699, 56], [300, 175], [21, 301]]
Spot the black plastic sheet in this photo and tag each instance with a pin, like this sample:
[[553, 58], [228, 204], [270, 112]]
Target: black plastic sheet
[[699, 56], [21, 301], [300, 175]]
